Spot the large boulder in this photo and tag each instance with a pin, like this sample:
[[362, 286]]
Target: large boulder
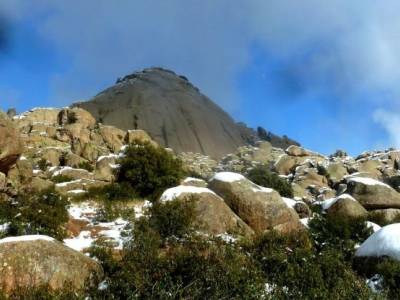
[[213, 215], [286, 164], [105, 167], [383, 243], [76, 115], [34, 261], [261, 208], [113, 137], [336, 171], [139, 135], [294, 150], [11, 146], [385, 216], [346, 206], [372, 194]]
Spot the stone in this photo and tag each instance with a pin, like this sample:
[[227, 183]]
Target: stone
[[261, 208], [336, 171], [385, 216], [191, 181], [372, 194], [28, 262], [11, 146], [347, 207], [140, 136], [76, 116], [213, 215], [113, 137], [105, 168]]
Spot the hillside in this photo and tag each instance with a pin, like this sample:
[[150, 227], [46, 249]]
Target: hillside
[[173, 111], [154, 220]]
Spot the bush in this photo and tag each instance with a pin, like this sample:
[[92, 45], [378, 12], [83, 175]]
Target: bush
[[294, 269], [173, 218], [61, 178], [149, 170], [195, 268], [37, 213], [262, 176], [339, 233], [43, 164], [113, 192]]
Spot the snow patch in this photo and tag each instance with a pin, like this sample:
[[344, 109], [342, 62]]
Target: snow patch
[[227, 177], [26, 238], [384, 242], [172, 193], [81, 242], [367, 181], [289, 202], [326, 204]]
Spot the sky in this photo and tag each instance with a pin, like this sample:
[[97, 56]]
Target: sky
[[326, 73]]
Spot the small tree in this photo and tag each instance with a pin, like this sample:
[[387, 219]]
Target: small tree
[[262, 176], [149, 169]]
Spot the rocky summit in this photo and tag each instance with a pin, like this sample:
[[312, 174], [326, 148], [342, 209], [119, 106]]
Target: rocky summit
[[174, 112]]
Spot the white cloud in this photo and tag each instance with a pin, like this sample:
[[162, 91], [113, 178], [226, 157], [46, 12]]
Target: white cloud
[[391, 122], [350, 47]]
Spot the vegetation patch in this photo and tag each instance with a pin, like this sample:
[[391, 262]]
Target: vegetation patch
[[149, 170], [35, 213], [261, 175]]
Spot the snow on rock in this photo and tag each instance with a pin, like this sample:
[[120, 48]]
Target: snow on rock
[[289, 202], [305, 221], [384, 242], [64, 184], [25, 238], [366, 181], [227, 177], [81, 242], [110, 156], [375, 227], [76, 192], [326, 204], [172, 193], [190, 179]]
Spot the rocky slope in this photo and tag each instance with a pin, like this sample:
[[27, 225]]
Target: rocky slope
[[45, 144], [173, 111]]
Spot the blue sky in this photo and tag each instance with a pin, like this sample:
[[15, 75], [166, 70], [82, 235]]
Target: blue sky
[[325, 74]]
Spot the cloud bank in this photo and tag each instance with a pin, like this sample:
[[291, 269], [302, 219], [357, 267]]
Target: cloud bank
[[347, 47]]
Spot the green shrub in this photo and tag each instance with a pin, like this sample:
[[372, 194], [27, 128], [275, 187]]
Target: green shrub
[[113, 192], [261, 175], [340, 233], [35, 213], [173, 218], [149, 170], [195, 268], [43, 164], [294, 269], [322, 171], [61, 178], [85, 165]]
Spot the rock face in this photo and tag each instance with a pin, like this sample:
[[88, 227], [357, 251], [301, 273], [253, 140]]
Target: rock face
[[33, 261], [213, 215], [347, 207], [11, 145], [261, 208], [373, 194], [173, 111]]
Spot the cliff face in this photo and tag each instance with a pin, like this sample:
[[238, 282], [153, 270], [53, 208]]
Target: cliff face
[[170, 109]]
